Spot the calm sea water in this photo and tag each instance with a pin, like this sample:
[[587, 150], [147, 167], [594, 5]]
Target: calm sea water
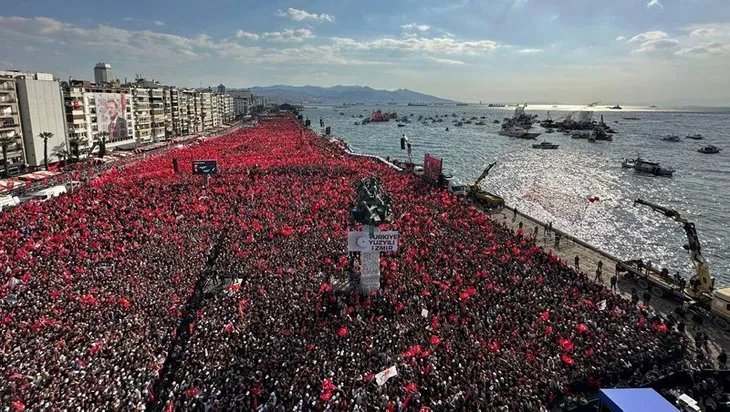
[[554, 185]]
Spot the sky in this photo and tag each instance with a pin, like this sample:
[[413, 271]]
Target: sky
[[558, 51]]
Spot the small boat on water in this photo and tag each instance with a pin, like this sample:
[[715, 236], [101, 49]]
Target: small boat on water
[[580, 135], [401, 125], [495, 121], [642, 166], [671, 138], [694, 136], [709, 149], [617, 107], [631, 118], [544, 145], [479, 123]]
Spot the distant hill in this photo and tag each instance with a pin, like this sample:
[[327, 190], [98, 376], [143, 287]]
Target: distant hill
[[343, 94]]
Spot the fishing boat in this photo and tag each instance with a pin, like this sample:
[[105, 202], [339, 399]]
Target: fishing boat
[[544, 145], [518, 132], [696, 136], [671, 138], [642, 166], [709, 149]]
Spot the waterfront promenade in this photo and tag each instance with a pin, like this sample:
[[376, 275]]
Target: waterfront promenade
[[108, 303]]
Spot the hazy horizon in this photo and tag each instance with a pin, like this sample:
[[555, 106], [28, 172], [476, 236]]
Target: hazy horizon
[[662, 52]]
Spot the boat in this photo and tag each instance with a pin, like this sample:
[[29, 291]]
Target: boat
[[518, 132], [696, 136], [479, 123], [643, 166], [709, 149], [580, 135], [671, 138], [378, 116], [617, 107], [462, 104], [458, 124], [418, 104], [550, 131], [401, 125], [544, 145], [495, 121], [632, 118]]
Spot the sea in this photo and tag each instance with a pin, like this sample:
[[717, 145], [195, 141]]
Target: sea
[[556, 185]]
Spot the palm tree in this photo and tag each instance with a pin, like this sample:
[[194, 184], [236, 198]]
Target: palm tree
[[6, 141], [45, 136]]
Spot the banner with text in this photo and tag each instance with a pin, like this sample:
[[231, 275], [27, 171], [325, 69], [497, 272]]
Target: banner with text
[[378, 242]]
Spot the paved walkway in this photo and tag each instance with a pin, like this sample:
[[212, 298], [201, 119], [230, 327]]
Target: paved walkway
[[568, 249]]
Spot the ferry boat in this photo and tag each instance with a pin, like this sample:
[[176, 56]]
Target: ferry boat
[[709, 149], [544, 145]]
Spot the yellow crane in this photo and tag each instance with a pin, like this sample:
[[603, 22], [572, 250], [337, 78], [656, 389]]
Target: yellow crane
[[488, 200], [701, 288]]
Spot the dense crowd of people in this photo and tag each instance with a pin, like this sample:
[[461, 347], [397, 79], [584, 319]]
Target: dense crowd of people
[[473, 317]]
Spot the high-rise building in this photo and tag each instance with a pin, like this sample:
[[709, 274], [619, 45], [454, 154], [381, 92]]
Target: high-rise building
[[242, 102], [221, 89], [41, 111], [11, 136], [106, 111], [103, 73]]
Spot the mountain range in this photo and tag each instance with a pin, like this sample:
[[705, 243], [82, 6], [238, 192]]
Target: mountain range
[[343, 94]]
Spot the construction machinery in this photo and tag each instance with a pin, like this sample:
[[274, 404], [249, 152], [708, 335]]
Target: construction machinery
[[481, 196], [699, 297]]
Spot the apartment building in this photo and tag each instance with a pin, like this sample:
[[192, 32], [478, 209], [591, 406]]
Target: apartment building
[[206, 99], [96, 111], [214, 109], [167, 101], [157, 113], [242, 102], [77, 128], [142, 114], [11, 135]]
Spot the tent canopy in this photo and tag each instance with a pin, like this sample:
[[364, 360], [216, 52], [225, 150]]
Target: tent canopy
[[634, 400]]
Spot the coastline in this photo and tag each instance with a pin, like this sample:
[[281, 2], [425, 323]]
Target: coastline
[[571, 246]]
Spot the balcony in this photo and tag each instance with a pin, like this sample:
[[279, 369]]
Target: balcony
[[8, 114], [4, 125]]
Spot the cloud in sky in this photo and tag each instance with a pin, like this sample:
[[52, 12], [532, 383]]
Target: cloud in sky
[[411, 47], [649, 35], [654, 3], [301, 15], [414, 26]]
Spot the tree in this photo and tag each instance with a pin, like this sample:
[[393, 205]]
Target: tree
[[45, 136], [5, 142]]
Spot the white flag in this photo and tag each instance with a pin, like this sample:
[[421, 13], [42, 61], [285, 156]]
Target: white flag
[[602, 305], [383, 376]]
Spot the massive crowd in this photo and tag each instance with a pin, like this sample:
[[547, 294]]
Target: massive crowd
[[473, 317]]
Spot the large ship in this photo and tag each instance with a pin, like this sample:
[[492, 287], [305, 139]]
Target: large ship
[[518, 132]]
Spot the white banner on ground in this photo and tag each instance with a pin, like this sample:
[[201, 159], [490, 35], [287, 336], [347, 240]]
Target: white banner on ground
[[383, 376], [602, 305], [378, 242]]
